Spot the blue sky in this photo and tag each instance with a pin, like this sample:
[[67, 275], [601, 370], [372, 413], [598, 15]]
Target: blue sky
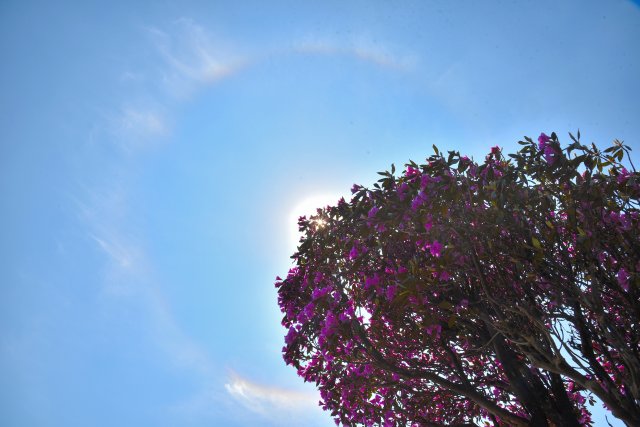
[[154, 156]]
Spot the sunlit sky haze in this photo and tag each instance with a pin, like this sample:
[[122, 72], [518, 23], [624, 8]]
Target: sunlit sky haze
[[154, 157]]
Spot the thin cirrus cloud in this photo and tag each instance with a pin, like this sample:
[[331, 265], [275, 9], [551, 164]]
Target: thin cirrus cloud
[[244, 399], [142, 123], [364, 48], [130, 279], [191, 57], [188, 59], [122, 256], [134, 128], [267, 400]]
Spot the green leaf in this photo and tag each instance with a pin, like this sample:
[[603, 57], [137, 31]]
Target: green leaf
[[573, 138], [451, 321], [445, 305], [536, 243]]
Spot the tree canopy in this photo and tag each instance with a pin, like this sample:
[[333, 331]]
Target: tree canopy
[[456, 292]]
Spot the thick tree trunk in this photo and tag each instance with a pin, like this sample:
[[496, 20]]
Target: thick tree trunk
[[562, 402], [519, 386]]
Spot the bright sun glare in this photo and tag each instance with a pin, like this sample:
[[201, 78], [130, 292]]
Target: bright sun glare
[[307, 207]]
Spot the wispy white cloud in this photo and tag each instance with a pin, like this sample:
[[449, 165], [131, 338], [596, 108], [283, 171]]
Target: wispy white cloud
[[142, 122], [192, 57], [130, 279], [122, 256], [189, 58], [130, 76], [104, 213], [379, 53], [262, 398], [135, 128], [129, 275], [240, 398], [271, 402]]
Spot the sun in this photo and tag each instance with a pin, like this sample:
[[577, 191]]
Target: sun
[[307, 207]]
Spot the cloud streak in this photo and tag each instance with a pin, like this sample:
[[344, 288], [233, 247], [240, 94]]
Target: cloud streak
[[123, 257], [267, 400], [140, 122], [188, 59], [129, 276], [251, 402], [191, 57], [135, 129], [363, 48]]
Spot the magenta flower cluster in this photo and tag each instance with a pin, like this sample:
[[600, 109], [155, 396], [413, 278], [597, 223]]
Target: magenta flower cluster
[[501, 293]]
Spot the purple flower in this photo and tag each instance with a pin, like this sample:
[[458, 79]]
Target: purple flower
[[542, 140], [437, 328], [426, 180], [418, 201], [371, 281], [623, 279], [402, 190], [353, 253], [549, 151], [320, 292], [411, 171], [308, 310], [371, 215], [623, 176], [549, 154], [291, 335], [435, 248], [602, 257], [330, 325], [391, 292], [367, 370]]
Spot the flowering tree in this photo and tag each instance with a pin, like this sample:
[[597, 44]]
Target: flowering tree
[[458, 293]]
